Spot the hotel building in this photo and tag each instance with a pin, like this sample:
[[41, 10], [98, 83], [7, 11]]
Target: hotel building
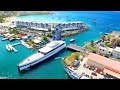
[[116, 52], [52, 26]]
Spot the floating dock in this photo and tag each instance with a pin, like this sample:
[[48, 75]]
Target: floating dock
[[10, 47], [76, 48], [16, 44]]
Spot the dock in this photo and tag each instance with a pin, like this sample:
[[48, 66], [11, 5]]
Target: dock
[[76, 48], [16, 44], [10, 47], [14, 49]]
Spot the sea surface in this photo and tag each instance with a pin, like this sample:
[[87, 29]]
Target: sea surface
[[53, 68]]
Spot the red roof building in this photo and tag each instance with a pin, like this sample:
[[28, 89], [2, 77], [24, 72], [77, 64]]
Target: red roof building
[[109, 66]]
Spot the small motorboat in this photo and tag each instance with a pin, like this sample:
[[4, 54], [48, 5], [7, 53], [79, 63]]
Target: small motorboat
[[11, 39], [8, 47], [3, 39], [106, 33], [72, 40]]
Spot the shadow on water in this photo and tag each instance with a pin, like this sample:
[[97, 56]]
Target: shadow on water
[[41, 63]]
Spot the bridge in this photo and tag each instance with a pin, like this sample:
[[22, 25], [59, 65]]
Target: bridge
[[76, 48]]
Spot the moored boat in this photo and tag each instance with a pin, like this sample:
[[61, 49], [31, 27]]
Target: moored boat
[[49, 50], [8, 47], [72, 40], [3, 39], [11, 39], [71, 73]]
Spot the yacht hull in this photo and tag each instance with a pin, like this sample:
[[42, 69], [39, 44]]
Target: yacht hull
[[70, 73], [40, 60]]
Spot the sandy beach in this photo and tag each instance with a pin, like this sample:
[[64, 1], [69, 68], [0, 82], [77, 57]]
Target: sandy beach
[[8, 21]]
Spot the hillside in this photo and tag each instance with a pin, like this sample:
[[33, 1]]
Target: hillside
[[22, 13]]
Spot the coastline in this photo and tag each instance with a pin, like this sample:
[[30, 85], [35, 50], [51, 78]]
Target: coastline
[[73, 32], [10, 19], [44, 70]]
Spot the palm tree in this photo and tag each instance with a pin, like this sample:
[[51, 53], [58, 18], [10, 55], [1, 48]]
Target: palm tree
[[49, 29], [103, 37], [43, 33], [114, 42], [92, 43]]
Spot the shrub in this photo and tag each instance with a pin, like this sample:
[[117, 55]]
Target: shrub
[[72, 57]]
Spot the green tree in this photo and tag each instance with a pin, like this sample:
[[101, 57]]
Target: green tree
[[45, 39], [14, 30], [43, 33], [2, 19], [92, 43], [103, 37]]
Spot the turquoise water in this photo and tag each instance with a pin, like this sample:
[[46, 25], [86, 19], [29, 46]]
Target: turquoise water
[[106, 21]]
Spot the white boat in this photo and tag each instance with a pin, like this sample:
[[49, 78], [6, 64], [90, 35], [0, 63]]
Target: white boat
[[3, 39], [71, 40], [1, 35], [71, 73], [25, 44], [49, 50], [18, 38], [106, 33], [11, 39], [8, 47]]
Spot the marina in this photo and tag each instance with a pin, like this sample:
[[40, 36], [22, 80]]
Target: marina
[[45, 70]]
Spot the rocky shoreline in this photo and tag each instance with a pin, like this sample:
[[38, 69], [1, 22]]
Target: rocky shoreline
[[73, 32]]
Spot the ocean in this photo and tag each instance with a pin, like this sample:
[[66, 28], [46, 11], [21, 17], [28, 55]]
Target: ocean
[[52, 68]]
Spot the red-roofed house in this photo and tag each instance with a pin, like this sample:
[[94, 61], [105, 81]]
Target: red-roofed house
[[109, 66]]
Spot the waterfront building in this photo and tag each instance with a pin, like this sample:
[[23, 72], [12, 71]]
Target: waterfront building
[[4, 27], [116, 52], [46, 26], [105, 51], [57, 34], [106, 65], [25, 38]]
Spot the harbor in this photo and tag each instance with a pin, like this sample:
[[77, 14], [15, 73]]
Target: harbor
[[52, 68]]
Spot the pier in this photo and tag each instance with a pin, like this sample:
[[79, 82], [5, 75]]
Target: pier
[[76, 48], [10, 47], [16, 44]]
